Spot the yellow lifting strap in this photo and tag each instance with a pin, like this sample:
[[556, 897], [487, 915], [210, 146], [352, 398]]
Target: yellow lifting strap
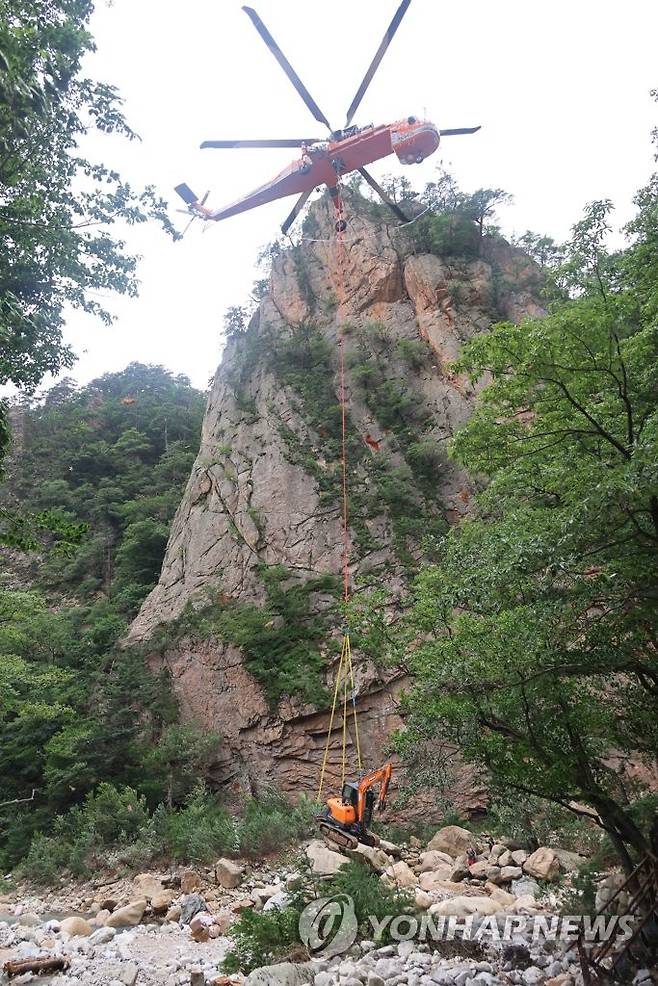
[[345, 673], [344, 678]]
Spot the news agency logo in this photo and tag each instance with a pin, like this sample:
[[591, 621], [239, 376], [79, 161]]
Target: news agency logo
[[328, 926]]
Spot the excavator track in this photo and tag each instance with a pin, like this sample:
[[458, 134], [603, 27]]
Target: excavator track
[[336, 837]]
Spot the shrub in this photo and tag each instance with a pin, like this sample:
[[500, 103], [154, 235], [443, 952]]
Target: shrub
[[413, 352], [200, 831], [45, 859], [270, 823], [369, 894], [261, 939], [112, 814]]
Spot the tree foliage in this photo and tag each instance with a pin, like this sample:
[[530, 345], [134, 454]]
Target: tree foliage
[[77, 710], [57, 208], [538, 626]]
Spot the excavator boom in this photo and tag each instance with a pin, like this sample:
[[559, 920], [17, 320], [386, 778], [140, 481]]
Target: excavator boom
[[380, 776]]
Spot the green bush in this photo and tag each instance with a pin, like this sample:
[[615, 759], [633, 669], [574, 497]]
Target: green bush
[[369, 894], [112, 814], [200, 831], [270, 823], [45, 860], [261, 939]]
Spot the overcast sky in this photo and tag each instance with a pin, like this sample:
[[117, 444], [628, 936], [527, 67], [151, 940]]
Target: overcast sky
[[561, 90]]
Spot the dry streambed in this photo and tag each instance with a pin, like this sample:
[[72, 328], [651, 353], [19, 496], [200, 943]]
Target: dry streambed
[[174, 929]]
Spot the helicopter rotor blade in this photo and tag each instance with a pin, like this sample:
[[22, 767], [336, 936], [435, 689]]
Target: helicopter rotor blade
[[186, 194], [297, 208], [188, 226], [226, 144], [374, 65], [458, 131], [286, 66], [384, 196]]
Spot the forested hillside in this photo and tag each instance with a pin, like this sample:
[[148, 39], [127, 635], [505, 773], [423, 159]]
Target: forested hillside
[[108, 461]]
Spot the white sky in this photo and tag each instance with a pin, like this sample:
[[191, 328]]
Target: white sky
[[561, 90]]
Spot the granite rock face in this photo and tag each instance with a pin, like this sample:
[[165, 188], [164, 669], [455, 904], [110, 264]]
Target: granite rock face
[[251, 502]]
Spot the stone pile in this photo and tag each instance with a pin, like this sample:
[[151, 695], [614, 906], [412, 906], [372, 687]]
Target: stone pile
[[173, 929]]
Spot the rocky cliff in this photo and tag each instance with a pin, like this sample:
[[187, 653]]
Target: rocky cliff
[[246, 615]]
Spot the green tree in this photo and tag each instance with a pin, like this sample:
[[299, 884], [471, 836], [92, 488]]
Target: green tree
[[539, 653], [182, 754], [57, 208]]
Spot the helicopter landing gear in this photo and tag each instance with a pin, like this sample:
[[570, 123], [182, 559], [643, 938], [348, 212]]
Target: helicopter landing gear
[[420, 159]]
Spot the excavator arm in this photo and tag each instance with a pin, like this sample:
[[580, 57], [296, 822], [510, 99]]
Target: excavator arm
[[381, 776]]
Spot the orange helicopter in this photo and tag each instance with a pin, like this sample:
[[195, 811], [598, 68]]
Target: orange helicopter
[[323, 162]]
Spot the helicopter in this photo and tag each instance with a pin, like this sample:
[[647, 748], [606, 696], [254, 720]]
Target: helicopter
[[325, 161]]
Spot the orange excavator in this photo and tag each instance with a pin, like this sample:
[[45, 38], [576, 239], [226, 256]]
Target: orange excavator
[[346, 819]]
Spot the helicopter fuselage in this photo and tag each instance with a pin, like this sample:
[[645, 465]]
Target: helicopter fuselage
[[411, 140]]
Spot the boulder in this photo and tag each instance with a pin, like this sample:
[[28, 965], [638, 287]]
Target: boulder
[[400, 875], [431, 860], [505, 858], [496, 851], [281, 974], [433, 881], [162, 901], [526, 904], [451, 839], [174, 913], [422, 900], [146, 885], [192, 904], [228, 874], [459, 872], [103, 936], [324, 862], [128, 916], [509, 873], [189, 881], [200, 925], [463, 906], [570, 862], [542, 864], [479, 869], [29, 920], [524, 887], [277, 901], [390, 848], [76, 927], [493, 874], [375, 857], [519, 856], [605, 892], [101, 918], [243, 904], [501, 896], [223, 921], [262, 894]]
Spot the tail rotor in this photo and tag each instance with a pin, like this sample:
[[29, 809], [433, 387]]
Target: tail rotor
[[194, 205]]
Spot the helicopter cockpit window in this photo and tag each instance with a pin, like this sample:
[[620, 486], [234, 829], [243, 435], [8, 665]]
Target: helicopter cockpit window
[[411, 119]]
